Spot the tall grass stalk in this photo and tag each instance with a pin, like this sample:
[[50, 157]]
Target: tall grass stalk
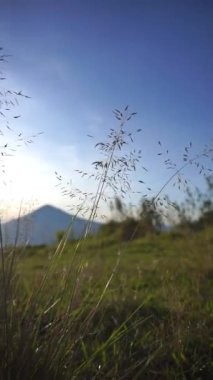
[[62, 333]]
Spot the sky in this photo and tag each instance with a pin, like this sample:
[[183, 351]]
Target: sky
[[79, 60]]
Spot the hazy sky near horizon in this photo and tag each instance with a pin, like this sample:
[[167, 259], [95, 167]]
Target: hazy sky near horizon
[[78, 60]]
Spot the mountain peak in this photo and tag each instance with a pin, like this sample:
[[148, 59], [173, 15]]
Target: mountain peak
[[41, 226]]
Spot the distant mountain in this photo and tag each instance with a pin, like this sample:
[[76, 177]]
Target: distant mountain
[[41, 226]]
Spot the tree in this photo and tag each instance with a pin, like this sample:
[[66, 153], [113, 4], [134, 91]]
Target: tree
[[150, 217], [59, 235]]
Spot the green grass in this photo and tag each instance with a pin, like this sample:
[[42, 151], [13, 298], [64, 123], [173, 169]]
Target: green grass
[[153, 321], [103, 309]]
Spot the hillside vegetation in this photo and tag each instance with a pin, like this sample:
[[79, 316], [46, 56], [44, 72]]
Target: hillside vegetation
[[132, 302], [152, 321]]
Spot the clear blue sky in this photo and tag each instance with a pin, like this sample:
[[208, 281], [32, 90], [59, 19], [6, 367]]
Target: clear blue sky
[[80, 59]]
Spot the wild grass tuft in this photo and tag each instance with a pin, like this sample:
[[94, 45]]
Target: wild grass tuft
[[97, 308]]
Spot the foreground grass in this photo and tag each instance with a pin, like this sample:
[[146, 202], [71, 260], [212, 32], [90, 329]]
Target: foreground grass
[[152, 322]]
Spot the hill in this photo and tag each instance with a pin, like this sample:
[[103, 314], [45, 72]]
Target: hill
[[40, 226], [156, 310]]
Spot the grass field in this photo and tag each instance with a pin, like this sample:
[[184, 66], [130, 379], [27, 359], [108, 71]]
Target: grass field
[[109, 310]]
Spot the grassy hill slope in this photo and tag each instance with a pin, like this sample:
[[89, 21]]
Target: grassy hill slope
[[137, 310]]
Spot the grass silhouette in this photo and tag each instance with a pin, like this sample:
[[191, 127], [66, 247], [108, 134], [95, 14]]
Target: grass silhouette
[[98, 309]]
